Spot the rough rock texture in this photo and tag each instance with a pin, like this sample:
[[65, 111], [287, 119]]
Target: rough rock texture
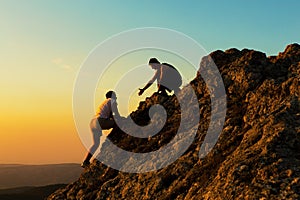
[[257, 155]]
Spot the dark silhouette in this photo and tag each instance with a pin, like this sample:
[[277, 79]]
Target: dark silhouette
[[167, 77]]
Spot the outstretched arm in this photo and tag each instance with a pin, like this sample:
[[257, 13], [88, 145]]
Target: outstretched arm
[[156, 75], [115, 110], [144, 88]]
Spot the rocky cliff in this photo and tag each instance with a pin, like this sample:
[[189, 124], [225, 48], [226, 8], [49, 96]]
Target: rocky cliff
[[257, 155]]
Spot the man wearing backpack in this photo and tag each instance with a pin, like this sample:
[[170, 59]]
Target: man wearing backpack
[[167, 77]]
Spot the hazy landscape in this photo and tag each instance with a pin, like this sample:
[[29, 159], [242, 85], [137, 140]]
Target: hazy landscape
[[35, 181]]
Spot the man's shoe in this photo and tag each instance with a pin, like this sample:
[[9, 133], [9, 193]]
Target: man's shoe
[[85, 164]]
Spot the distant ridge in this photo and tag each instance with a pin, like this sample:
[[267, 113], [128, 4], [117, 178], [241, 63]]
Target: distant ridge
[[19, 175], [29, 193]]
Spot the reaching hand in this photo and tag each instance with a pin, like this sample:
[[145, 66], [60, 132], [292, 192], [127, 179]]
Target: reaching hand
[[141, 91]]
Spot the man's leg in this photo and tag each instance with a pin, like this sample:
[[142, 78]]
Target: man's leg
[[162, 90], [96, 133]]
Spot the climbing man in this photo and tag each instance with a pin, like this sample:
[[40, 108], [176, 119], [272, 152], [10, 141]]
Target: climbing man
[[167, 76], [103, 120]]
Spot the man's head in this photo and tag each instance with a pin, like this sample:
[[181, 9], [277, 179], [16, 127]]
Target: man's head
[[111, 94], [154, 63]]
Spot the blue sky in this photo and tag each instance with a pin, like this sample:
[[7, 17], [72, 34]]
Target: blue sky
[[62, 26], [43, 44]]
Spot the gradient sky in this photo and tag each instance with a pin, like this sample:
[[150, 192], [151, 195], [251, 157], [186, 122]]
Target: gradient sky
[[43, 44]]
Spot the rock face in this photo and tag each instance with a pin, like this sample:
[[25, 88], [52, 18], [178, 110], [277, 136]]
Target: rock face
[[257, 155]]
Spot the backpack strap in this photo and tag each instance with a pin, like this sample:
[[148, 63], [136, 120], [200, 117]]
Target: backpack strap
[[169, 65]]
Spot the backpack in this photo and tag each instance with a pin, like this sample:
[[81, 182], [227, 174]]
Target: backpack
[[177, 77]]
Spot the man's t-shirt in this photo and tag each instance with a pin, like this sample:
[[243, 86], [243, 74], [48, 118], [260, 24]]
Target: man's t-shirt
[[105, 109]]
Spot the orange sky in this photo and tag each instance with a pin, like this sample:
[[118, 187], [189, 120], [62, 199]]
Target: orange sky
[[37, 126]]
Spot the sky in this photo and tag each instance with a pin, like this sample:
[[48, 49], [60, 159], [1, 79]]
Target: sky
[[43, 45]]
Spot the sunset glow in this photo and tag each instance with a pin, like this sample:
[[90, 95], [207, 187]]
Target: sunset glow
[[44, 43]]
